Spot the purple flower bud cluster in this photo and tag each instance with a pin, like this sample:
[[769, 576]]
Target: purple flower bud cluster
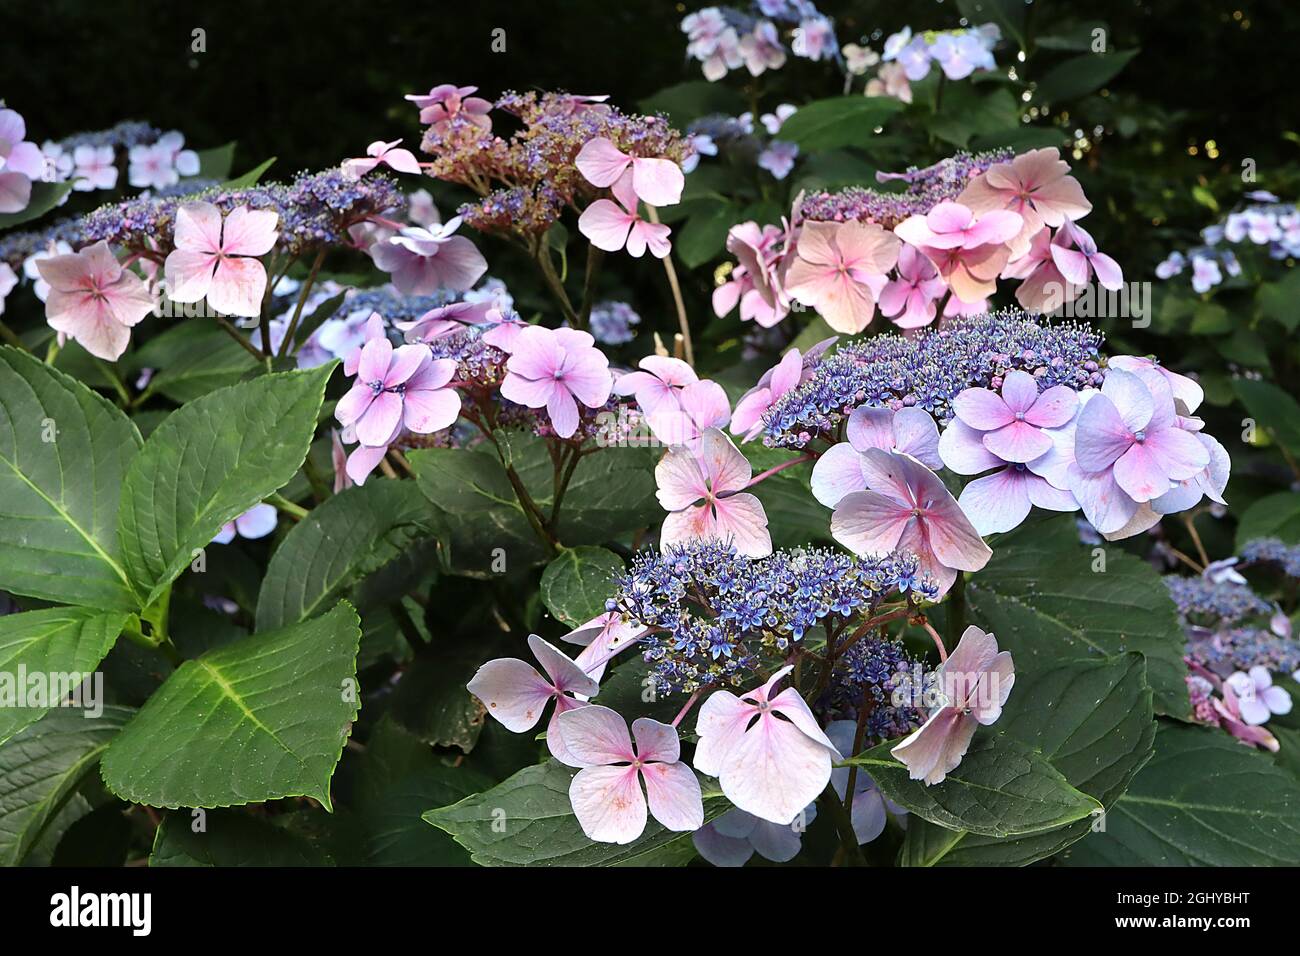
[[929, 370], [527, 180], [873, 674], [315, 210], [925, 189], [711, 612], [1272, 551], [394, 306], [1201, 601], [15, 247]]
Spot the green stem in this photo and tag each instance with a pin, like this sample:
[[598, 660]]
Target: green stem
[[111, 375], [543, 259], [830, 802], [594, 258], [561, 486], [239, 337], [302, 299], [281, 503]]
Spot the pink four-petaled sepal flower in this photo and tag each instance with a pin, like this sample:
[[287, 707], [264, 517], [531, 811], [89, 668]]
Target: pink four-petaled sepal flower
[[1012, 422], [515, 694], [218, 259], [704, 493], [612, 226], [658, 384], [840, 270], [839, 471], [395, 388], [975, 682], [1076, 256], [93, 300], [1129, 437], [910, 299], [700, 406], [606, 792], [447, 101], [1036, 186], [656, 182], [968, 251], [906, 507], [766, 749], [380, 153], [21, 163], [424, 259], [555, 369]]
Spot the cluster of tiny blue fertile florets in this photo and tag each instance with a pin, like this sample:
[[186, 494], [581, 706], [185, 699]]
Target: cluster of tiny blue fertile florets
[[926, 188], [1202, 601], [867, 676], [315, 210], [711, 611], [1272, 551], [928, 372], [1241, 648], [394, 306]]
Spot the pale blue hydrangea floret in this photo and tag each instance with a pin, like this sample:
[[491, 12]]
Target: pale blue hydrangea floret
[[613, 323], [928, 371]]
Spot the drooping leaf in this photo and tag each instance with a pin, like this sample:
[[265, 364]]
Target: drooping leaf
[[340, 541], [258, 719], [63, 453], [66, 642], [209, 462], [576, 585], [229, 838], [1042, 597], [41, 767], [1203, 800]]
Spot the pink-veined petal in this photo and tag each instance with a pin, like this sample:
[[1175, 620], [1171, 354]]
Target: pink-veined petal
[[608, 803], [512, 691]]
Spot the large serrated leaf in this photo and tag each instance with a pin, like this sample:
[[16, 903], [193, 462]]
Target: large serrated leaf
[[528, 821], [1042, 598], [209, 462], [58, 641], [576, 585], [1092, 719], [260, 718], [1000, 789], [1203, 800], [63, 453], [353, 533], [41, 767]]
